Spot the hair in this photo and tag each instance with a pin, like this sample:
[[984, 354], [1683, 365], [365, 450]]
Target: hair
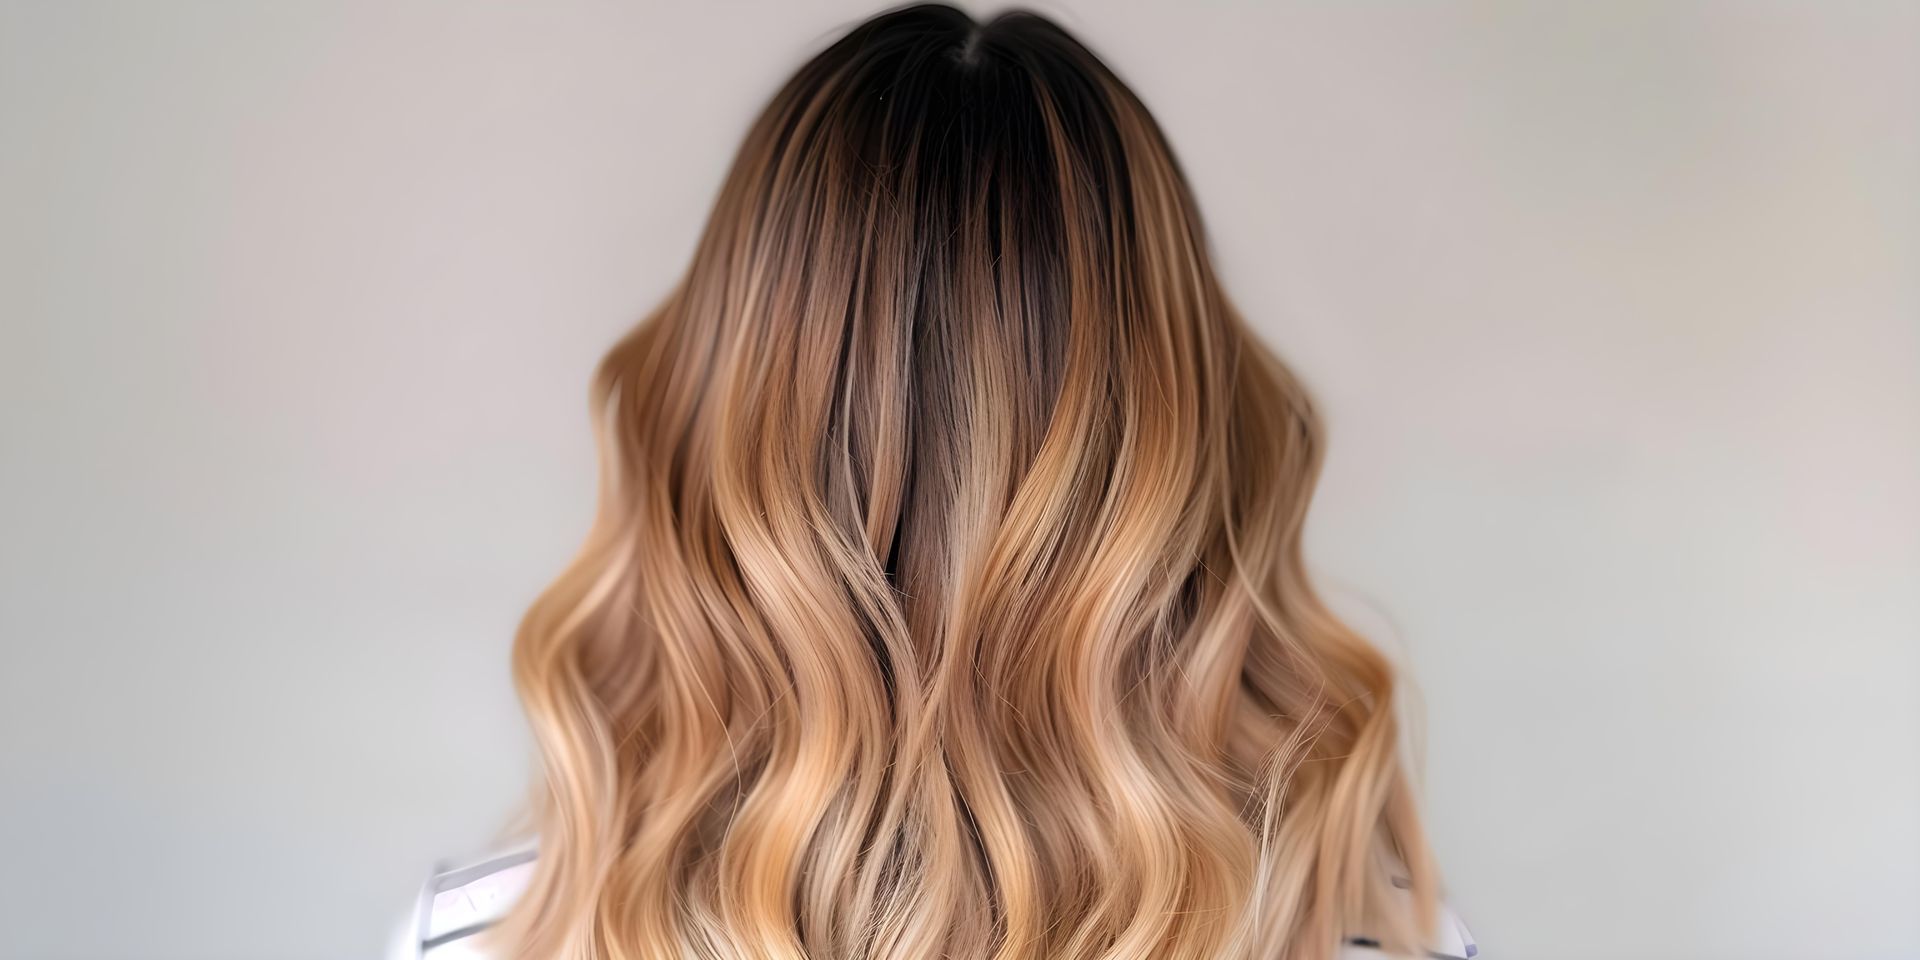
[[945, 597]]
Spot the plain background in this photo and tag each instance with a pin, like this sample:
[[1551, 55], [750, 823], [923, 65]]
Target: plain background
[[1615, 309]]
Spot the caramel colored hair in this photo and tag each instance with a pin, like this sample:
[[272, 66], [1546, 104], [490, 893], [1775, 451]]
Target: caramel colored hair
[[945, 597]]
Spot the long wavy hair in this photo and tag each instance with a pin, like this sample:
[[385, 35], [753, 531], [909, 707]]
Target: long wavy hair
[[945, 597]]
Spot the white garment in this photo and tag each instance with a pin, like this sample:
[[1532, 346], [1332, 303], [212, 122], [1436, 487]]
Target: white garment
[[457, 902]]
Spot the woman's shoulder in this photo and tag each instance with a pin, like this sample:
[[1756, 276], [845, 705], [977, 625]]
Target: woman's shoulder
[[1451, 940], [458, 900]]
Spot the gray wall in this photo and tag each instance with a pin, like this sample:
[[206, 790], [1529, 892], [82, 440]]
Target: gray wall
[[1614, 308]]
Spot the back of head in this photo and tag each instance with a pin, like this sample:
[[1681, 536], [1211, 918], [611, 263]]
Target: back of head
[[945, 597]]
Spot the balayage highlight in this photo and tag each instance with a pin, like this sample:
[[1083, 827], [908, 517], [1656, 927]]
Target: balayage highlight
[[945, 596]]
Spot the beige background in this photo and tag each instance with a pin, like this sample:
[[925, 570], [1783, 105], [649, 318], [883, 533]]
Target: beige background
[[1615, 308]]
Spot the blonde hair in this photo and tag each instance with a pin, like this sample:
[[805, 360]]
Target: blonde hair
[[945, 597]]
